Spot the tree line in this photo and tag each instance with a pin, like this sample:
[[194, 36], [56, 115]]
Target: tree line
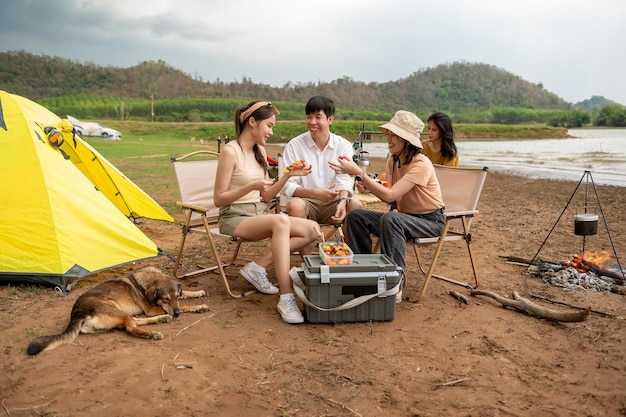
[[469, 92]]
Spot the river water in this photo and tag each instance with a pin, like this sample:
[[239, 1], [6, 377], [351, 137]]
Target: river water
[[602, 152]]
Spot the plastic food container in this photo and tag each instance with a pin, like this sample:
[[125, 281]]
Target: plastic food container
[[336, 253]]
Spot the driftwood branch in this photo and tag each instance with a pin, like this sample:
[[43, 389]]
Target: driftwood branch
[[529, 307], [524, 261], [459, 297], [600, 313]]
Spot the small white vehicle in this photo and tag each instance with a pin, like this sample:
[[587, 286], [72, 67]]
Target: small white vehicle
[[94, 129]]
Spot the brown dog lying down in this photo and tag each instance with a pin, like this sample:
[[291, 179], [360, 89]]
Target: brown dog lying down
[[112, 305]]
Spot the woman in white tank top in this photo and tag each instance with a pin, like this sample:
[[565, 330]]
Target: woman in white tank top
[[242, 190]]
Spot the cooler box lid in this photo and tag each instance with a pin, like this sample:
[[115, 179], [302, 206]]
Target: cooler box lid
[[365, 263]]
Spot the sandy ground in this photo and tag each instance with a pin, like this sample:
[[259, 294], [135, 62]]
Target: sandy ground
[[438, 357]]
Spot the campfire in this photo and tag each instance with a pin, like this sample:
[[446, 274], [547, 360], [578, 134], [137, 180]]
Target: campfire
[[585, 270]]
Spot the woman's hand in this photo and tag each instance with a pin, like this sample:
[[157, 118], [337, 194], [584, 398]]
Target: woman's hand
[[300, 172], [362, 188], [262, 185], [345, 165]]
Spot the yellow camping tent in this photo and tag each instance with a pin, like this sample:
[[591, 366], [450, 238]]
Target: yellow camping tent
[[127, 197], [55, 225]]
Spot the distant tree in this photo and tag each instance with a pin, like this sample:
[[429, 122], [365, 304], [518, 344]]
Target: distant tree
[[611, 115], [593, 103], [570, 119]]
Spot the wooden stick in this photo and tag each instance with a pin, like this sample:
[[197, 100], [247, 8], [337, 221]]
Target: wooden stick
[[456, 381], [459, 296], [162, 373], [529, 307], [600, 313], [194, 323]]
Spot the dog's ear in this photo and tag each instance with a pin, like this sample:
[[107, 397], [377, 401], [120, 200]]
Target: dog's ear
[[152, 295]]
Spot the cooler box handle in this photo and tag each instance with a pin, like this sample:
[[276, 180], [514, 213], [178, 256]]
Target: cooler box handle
[[299, 286]]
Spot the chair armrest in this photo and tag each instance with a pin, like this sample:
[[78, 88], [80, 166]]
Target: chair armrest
[[191, 207], [467, 213]]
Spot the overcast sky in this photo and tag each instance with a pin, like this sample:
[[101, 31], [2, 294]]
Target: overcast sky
[[575, 48]]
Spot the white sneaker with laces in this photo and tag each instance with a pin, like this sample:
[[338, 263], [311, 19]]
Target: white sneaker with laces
[[258, 279], [289, 311]]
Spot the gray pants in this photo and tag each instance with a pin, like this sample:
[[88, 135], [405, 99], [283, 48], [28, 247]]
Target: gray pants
[[392, 228]]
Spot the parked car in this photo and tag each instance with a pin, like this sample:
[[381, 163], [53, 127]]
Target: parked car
[[93, 129]]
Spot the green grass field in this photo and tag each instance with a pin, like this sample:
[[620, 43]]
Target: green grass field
[[144, 155]]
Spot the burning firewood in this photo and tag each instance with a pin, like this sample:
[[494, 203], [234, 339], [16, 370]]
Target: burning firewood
[[520, 303], [583, 271], [585, 265]]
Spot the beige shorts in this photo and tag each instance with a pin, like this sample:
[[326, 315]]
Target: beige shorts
[[321, 211], [232, 215]]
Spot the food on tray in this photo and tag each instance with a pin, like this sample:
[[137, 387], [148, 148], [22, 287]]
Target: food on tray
[[295, 165], [336, 254]]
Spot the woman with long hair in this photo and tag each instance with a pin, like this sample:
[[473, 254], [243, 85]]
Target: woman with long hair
[[243, 188], [439, 146]]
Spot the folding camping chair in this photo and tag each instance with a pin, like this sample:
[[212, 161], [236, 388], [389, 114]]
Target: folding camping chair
[[461, 188], [196, 182]]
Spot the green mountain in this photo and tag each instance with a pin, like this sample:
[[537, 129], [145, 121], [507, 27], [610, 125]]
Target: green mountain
[[593, 103], [459, 87]]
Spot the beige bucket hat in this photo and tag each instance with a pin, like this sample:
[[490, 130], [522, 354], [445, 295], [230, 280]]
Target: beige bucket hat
[[406, 125]]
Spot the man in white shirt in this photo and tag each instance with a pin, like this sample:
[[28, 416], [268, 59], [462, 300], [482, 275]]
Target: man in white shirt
[[323, 196]]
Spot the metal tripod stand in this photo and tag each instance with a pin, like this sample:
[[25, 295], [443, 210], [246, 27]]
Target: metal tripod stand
[[589, 179]]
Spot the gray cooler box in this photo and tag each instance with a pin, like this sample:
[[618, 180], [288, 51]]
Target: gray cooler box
[[328, 287]]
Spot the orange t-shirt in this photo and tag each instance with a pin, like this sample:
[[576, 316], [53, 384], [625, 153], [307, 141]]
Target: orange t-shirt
[[425, 197]]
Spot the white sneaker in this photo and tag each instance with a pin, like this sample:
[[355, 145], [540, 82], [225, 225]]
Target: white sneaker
[[289, 311], [399, 297], [258, 279]]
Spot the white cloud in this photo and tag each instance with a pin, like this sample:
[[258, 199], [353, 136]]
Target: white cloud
[[573, 47]]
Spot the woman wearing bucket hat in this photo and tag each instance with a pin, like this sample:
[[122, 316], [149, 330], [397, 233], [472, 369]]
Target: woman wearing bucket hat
[[413, 190]]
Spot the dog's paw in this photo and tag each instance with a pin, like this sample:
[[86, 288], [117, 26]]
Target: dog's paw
[[166, 318], [202, 308], [155, 336], [192, 294]]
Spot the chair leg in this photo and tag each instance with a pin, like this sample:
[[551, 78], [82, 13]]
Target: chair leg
[[431, 270], [179, 255], [334, 230], [469, 250], [429, 275], [419, 258], [219, 265]]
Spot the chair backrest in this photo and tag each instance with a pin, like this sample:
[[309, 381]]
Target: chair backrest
[[461, 188], [196, 181]]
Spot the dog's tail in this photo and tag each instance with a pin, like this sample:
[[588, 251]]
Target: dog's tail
[[50, 342]]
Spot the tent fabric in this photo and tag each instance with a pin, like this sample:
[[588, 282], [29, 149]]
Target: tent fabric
[[127, 197], [55, 225], [121, 191]]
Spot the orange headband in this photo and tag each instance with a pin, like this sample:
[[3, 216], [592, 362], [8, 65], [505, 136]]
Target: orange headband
[[243, 116]]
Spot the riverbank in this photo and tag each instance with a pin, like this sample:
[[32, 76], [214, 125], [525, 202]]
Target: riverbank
[[438, 357], [284, 130]]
